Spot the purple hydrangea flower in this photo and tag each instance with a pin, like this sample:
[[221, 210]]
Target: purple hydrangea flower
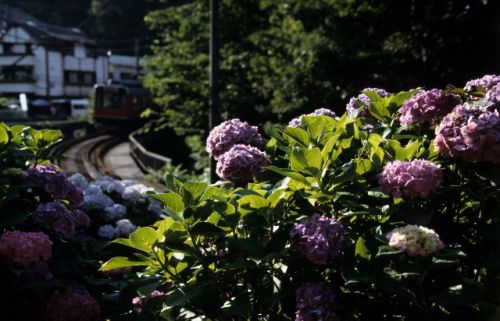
[[318, 238], [486, 82], [139, 303], [241, 163], [230, 133], [427, 107], [55, 216], [493, 95], [55, 183], [25, 248], [324, 112], [409, 179], [471, 133], [356, 102], [297, 121], [415, 240], [314, 302]]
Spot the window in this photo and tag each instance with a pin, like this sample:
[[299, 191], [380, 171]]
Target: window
[[79, 78], [15, 49], [88, 78], [16, 74]]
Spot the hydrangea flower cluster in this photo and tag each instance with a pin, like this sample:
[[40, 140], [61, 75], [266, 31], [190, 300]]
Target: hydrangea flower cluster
[[427, 107], [115, 212], [471, 133], [361, 100], [55, 183], [241, 163], [25, 248], [486, 82], [71, 305], [55, 216], [138, 303], [297, 121], [493, 95], [415, 240], [315, 301], [318, 238], [38, 270], [230, 133], [410, 178], [124, 228]]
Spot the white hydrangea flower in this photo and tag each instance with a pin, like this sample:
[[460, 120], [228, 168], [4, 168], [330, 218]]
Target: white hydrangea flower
[[116, 187], [135, 193], [125, 227], [415, 240], [79, 180], [108, 232], [114, 212]]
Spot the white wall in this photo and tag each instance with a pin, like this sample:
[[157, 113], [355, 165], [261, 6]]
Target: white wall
[[56, 74]]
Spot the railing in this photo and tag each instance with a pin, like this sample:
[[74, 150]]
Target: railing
[[147, 161]]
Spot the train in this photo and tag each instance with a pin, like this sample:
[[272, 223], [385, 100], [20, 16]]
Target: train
[[118, 105]]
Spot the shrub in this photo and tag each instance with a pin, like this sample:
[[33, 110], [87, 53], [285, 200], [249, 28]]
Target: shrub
[[250, 252]]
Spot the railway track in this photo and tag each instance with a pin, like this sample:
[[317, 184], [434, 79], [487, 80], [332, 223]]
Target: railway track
[[98, 155], [85, 155]]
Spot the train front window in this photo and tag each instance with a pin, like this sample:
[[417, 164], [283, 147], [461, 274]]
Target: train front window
[[107, 99]]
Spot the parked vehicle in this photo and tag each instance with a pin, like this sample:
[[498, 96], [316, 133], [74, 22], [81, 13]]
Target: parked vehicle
[[63, 108]]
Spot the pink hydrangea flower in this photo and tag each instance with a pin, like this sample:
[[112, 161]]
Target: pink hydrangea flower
[[427, 107], [319, 238], [415, 240], [139, 303], [241, 163], [314, 302], [410, 179], [72, 305], [486, 82], [471, 133], [230, 133], [25, 248]]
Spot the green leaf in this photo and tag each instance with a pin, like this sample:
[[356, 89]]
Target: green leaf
[[172, 201], [361, 250], [121, 262], [250, 203], [362, 166], [143, 238], [298, 134], [4, 136], [192, 190], [239, 305], [293, 175]]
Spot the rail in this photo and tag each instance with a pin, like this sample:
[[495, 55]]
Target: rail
[[147, 160]]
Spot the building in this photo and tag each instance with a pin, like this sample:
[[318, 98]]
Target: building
[[123, 68], [46, 61]]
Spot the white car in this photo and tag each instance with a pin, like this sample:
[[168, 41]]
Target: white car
[[69, 107]]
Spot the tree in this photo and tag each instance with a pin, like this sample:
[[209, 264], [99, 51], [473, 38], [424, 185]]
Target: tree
[[281, 59]]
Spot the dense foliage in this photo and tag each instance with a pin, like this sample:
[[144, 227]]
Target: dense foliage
[[359, 218], [282, 58]]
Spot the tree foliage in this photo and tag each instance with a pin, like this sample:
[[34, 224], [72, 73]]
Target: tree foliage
[[283, 58]]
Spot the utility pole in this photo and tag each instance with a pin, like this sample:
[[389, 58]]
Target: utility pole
[[136, 53], [213, 107]]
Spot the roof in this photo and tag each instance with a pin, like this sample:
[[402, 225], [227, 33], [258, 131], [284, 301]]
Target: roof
[[41, 31]]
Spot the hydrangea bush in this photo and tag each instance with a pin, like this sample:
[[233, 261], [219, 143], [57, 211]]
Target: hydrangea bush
[[49, 242], [356, 218]]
